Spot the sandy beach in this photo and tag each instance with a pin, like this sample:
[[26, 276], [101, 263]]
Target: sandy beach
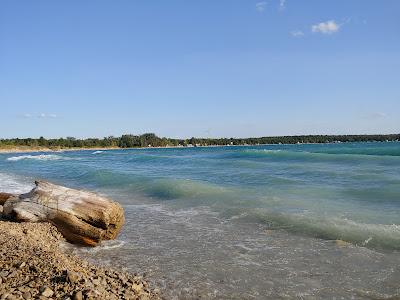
[[33, 265]]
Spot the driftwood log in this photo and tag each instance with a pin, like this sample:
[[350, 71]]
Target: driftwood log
[[4, 197], [81, 217]]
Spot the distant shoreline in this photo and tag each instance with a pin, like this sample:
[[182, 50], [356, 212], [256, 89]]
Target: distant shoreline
[[151, 140], [27, 149]]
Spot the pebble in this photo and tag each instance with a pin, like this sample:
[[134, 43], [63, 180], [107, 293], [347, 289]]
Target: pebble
[[12, 274], [72, 277], [3, 273], [78, 296], [45, 291]]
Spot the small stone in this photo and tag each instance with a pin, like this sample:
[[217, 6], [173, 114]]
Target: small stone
[[129, 295], [12, 274], [21, 265], [26, 295], [72, 277], [78, 296], [25, 231], [46, 291], [341, 243], [137, 287]]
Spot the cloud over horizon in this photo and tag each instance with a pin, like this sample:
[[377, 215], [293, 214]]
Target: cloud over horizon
[[376, 115], [40, 116]]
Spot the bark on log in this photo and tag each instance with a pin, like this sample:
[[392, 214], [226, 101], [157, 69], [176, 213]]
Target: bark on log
[[81, 217]]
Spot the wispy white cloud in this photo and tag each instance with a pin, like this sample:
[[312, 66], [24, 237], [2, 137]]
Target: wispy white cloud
[[44, 116], [327, 27], [282, 4], [297, 33], [260, 6], [376, 115], [40, 116]]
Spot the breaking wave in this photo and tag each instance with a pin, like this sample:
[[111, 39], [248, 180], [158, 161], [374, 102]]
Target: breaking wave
[[14, 184], [36, 157], [381, 236], [322, 156]]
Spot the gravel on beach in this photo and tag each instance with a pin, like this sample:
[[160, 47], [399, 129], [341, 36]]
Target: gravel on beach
[[32, 266]]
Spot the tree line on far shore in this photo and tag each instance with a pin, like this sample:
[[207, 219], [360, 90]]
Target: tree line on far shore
[[152, 140]]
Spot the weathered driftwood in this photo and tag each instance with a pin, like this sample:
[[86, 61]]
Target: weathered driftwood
[[4, 197], [82, 217]]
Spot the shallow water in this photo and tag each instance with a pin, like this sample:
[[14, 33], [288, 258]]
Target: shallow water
[[243, 222]]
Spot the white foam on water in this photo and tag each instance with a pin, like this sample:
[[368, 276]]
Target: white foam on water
[[103, 246], [97, 152], [367, 241], [36, 157], [263, 150], [14, 185]]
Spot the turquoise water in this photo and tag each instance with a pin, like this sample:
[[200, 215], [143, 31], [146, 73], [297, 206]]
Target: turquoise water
[[304, 193], [339, 191]]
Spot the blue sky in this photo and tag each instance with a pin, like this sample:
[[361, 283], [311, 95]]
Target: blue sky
[[199, 68]]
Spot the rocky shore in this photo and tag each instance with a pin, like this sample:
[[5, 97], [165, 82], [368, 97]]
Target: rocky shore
[[32, 266]]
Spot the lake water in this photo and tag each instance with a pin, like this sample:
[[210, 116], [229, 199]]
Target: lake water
[[259, 222]]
